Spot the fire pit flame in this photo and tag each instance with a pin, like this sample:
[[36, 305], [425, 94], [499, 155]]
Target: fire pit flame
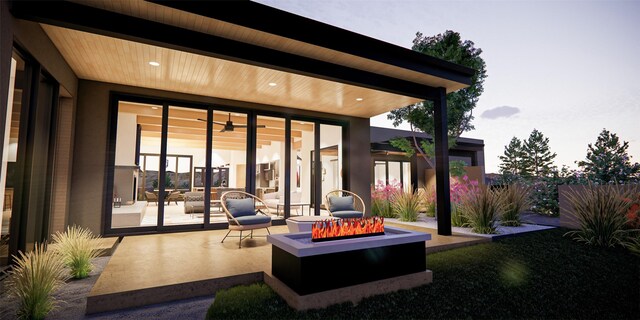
[[347, 228]]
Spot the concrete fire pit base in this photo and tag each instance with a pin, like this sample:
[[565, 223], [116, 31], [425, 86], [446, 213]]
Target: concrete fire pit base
[[353, 293], [313, 274]]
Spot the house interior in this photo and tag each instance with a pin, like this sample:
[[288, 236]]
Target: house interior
[[137, 163]]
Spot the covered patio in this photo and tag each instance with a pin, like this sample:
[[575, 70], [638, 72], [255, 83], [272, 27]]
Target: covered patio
[[155, 55]]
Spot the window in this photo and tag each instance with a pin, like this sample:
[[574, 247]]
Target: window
[[393, 172], [169, 162]]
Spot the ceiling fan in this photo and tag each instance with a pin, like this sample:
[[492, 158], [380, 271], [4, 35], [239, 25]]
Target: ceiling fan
[[229, 126]]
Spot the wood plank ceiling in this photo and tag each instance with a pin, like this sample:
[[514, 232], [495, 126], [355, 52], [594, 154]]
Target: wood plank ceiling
[[166, 15], [106, 59], [101, 58]]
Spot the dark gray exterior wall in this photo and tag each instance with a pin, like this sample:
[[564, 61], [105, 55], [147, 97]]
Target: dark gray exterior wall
[[91, 138], [360, 160], [30, 36]]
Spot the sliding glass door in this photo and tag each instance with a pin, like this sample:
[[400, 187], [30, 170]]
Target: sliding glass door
[[172, 163], [228, 168]]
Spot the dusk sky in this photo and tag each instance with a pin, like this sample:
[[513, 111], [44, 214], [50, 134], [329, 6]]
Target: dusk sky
[[566, 68]]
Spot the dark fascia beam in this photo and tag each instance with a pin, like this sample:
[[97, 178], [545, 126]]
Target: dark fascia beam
[[271, 20], [89, 19]]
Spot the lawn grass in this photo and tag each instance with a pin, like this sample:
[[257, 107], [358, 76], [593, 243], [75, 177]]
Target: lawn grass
[[537, 275]]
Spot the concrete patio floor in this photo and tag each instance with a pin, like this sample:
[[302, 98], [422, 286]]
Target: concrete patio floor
[[158, 268]]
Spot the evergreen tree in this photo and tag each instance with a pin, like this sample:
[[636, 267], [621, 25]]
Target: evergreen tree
[[538, 158], [513, 158], [608, 160]]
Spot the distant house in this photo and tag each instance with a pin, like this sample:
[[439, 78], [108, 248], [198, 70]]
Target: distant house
[[389, 163]]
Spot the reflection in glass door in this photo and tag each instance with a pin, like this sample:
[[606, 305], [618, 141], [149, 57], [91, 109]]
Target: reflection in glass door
[[186, 148], [330, 166], [270, 164], [302, 144], [228, 158], [136, 173], [9, 161]]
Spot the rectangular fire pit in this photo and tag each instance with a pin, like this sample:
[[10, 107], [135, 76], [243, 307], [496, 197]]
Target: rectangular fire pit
[[309, 267]]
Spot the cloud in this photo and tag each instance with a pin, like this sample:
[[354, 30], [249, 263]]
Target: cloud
[[499, 112]]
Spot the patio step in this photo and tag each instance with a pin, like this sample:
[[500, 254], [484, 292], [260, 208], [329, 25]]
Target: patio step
[[148, 296]]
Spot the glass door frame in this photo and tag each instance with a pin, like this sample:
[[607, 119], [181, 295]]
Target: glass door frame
[[32, 198], [250, 179]]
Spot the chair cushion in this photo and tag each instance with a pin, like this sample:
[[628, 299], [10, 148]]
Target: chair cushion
[[270, 195], [192, 197], [255, 219], [241, 207], [341, 203], [347, 214], [193, 207]]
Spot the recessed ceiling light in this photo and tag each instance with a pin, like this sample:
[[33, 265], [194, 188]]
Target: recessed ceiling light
[[359, 99], [155, 108], [272, 84], [154, 63]]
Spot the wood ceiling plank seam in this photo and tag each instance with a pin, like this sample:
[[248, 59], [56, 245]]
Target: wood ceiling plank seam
[[191, 61], [201, 73], [179, 71], [179, 68], [90, 62], [132, 63], [135, 9]]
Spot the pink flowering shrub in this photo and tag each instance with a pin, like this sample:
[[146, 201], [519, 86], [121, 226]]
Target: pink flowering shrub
[[459, 188], [381, 195]]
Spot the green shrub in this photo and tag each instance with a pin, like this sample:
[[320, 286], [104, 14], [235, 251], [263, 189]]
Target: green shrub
[[33, 279], [77, 249], [406, 205], [544, 196], [601, 214], [457, 217], [429, 201], [430, 209], [382, 207], [633, 244], [481, 208], [515, 199]]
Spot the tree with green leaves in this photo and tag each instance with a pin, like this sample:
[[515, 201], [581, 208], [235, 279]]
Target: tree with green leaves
[[448, 46], [608, 160], [538, 158], [513, 160]]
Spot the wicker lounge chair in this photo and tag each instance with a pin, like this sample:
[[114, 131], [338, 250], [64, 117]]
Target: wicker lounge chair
[[344, 204], [244, 212]]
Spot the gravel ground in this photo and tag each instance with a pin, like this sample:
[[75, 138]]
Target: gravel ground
[[72, 299]]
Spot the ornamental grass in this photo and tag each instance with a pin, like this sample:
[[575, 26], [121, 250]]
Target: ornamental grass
[[601, 214], [515, 199], [76, 245], [407, 205], [34, 278], [481, 208]]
